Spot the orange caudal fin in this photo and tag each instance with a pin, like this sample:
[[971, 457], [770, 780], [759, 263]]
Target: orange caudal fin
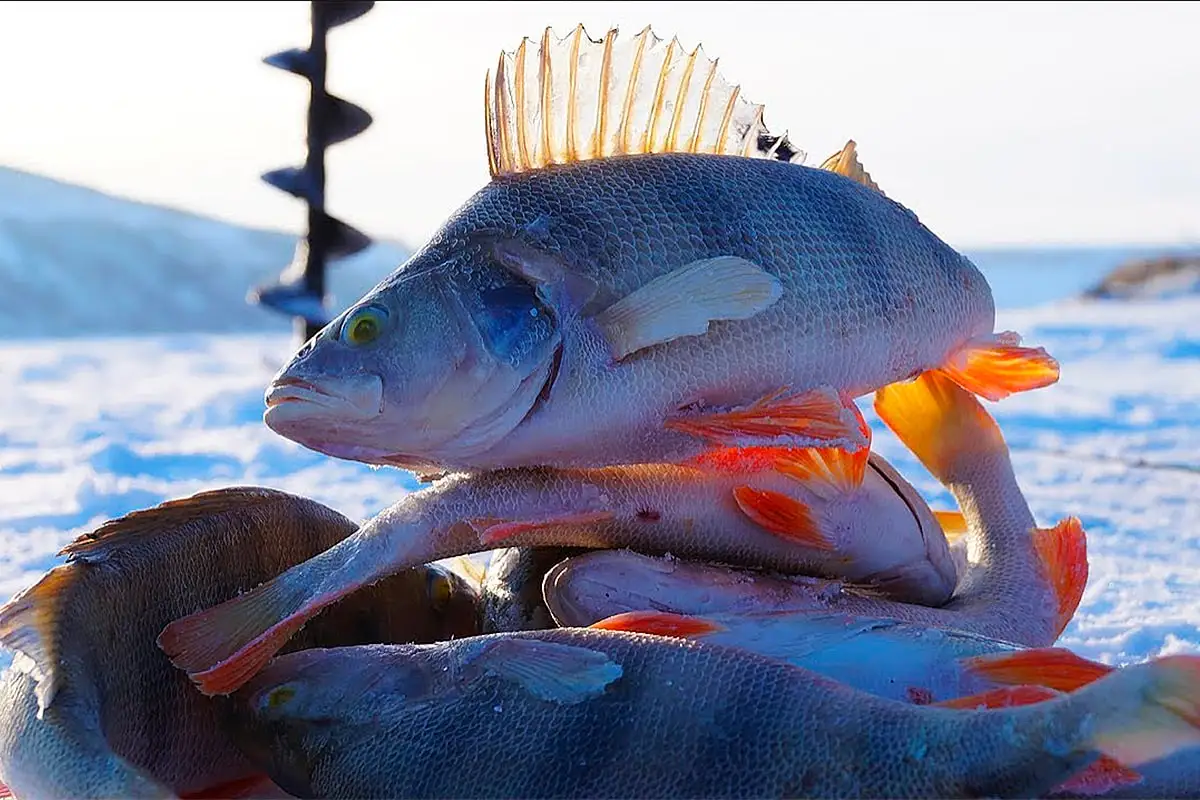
[[942, 424], [1100, 777], [782, 418], [659, 623], [1063, 553], [222, 647], [996, 366], [496, 532], [953, 524], [1053, 667], [783, 516]]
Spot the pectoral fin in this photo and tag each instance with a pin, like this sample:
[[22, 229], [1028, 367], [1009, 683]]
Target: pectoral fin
[[684, 302], [548, 670]]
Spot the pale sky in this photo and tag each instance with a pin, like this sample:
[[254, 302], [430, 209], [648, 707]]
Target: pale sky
[[997, 123]]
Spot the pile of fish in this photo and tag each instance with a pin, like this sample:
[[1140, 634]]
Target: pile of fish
[[628, 368]]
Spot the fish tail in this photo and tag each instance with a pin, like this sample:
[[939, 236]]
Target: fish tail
[[222, 647], [1144, 712], [943, 425], [996, 366], [1063, 553]]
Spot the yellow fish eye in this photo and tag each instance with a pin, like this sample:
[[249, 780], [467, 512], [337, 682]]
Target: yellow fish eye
[[440, 588], [278, 696], [364, 325]]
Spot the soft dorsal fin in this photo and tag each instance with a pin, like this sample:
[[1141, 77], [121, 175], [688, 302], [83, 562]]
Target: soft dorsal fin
[[845, 162], [578, 99], [169, 514]]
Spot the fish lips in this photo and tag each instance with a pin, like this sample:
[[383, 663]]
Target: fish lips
[[306, 411]]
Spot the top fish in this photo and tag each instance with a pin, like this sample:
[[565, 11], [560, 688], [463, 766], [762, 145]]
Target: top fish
[[649, 273]]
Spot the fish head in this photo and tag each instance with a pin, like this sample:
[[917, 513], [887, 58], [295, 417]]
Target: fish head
[[437, 363], [308, 702]]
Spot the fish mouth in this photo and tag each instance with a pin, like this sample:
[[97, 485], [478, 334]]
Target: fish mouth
[[292, 390], [350, 399]]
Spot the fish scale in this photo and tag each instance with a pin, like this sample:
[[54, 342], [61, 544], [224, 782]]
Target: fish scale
[[593, 709]]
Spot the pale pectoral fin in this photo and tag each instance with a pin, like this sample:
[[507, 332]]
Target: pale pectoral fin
[[551, 671], [683, 303]]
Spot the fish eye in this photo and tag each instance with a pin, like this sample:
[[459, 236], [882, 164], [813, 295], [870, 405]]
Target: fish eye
[[277, 697], [440, 587], [364, 325]]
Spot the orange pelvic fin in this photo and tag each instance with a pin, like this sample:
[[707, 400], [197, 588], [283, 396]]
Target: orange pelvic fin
[[816, 417], [996, 366], [784, 516], [1053, 667], [659, 623], [502, 531], [1063, 552]]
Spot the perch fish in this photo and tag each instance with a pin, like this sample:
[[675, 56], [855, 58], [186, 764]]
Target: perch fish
[[820, 512], [649, 273], [592, 709], [92, 708]]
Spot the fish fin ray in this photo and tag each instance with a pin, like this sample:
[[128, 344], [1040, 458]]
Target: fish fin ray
[[783, 516], [591, 99], [29, 628], [685, 301], [169, 514], [829, 471], [996, 366], [659, 623], [953, 524], [222, 647], [1001, 697], [845, 162], [821, 417], [1063, 553], [941, 423], [1054, 667], [560, 673], [493, 532]]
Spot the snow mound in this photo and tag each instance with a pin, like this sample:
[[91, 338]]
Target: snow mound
[[78, 262]]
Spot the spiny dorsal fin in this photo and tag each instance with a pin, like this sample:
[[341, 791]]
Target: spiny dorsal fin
[[845, 162], [169, 514], [28, 627], [578, 99]]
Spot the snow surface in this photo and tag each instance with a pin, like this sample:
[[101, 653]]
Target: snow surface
[[92, 427]]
